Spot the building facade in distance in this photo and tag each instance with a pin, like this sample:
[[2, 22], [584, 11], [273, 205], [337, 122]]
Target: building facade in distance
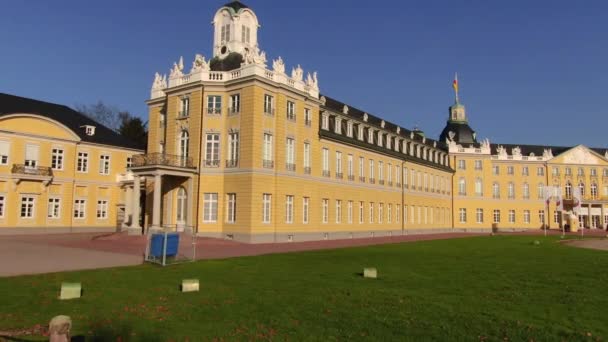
[[60, 171]]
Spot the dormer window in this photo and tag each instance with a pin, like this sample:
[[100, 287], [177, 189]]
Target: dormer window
[[89, 130], [246, 34], [360, 135], [325, 121], [349, 129], [379, 138], [338, 126]]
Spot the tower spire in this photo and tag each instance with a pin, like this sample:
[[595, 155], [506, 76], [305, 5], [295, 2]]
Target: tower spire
[[455, 86]]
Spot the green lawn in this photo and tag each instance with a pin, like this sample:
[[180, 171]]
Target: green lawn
[[485, 288]]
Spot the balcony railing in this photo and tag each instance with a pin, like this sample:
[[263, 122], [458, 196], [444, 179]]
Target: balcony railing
[[390, 183], [268, 164], [339, 175], [214, 110], [351, 178], [183, 114], [361, 179], [326, 173], [21, 169], [398, 184], [269, 111], [161, 159], [381, 182], [234, 111], [307, 170], [211, 163], [230, 164], [290, 167], [372, 180]]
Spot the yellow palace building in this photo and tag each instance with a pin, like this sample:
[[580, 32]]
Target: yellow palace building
[[241, 147], [60, 171]]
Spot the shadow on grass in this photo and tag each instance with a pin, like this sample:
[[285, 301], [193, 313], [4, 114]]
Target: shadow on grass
[[121, 332]]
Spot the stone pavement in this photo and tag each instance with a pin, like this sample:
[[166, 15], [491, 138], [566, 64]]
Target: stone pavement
[[34, 254]]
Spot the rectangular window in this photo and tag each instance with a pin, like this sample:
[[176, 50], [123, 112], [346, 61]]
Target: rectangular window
[[478, 165], [31, 156], [338, 164], [325, 210], [268, 104], [381, 213], [540, 171], [54, 208], [307, 117], [82, 165], [2, 205], [235, 103], [338, 211], [405, 214], [129, 162], [496, 170], [210, 207], [289, 209], [307, 158], [462, 214], [479, 215], [325, 162], [398, 213], [398, 175], [568, 171], [233, 150], [27, 207], [184, 107], [80, 208], [4, 150], [510, 170], [526, 216], [541, 216], [231, 208], [57, 159], [351, 175], [389, 213], [381, 171], [290, 154], [511, 216], [496, 216], [104, 164], [462, 164], [212, 150], [349, 212], [361, 210], [371, 171], [102, 209], [371, 212], [214, 104], [556, 216], [525, 171], [266, 208], [268, 154], [555, 171], [305, 206], [405, 178], [362, 169], [291, 111]]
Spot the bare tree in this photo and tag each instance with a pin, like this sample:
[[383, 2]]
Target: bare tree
[[106, 115]]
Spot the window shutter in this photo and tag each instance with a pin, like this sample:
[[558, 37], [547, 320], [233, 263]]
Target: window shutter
[[31, 152]]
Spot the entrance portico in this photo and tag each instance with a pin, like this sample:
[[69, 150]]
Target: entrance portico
[[176, 174]]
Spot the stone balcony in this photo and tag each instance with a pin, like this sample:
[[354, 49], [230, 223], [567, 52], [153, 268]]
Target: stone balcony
[[22, 172], [161, 161]]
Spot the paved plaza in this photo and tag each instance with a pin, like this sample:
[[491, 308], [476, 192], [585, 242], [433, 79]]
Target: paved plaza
[[35, 254]]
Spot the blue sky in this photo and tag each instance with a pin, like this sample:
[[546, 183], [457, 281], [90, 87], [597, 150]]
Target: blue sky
[[530, 71]]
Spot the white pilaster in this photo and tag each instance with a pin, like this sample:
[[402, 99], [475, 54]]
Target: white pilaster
[[156, 202], [135, 228]]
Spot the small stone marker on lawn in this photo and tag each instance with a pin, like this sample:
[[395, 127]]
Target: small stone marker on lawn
[[370, 272], [190, 285], [59, 329], [70, 291]]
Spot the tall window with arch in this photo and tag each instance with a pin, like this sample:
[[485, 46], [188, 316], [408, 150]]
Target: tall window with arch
[[478, 187], [182, 204], [593, 191], [462, 187], [568, 190], [581, 187], [184, 141], [495, 190]]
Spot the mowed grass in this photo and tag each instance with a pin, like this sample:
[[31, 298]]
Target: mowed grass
[[484, 288]]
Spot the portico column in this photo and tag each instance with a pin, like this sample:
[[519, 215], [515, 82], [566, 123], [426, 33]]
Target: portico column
[[157, 198], [135, 206], [190, 203], [589, 217], [128, 205], [602, 217]]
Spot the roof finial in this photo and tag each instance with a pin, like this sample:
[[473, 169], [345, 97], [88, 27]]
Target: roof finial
[[455, 86]]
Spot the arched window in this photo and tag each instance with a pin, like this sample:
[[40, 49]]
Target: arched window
[[495, 190], [478, 187], [526, 191], [568, 190], [184, 140], [593, 191], [581, 187], [462, 187], [182, 205], [511, 190]]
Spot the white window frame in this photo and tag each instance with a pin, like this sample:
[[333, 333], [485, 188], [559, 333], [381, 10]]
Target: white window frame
[[28, 207], [102, 209], [54, 208], [266, 208], [325, 210], [82, 164], [57, 155], [338, 211], [80, 209], [231, 208], [305, 210], [210, 207], [289, 202], [104, 164]]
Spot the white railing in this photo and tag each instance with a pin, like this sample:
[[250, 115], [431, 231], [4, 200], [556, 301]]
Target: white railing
[[124, 177], [223, 76]]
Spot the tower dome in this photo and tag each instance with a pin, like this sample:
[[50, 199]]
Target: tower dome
[[457, 128]]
